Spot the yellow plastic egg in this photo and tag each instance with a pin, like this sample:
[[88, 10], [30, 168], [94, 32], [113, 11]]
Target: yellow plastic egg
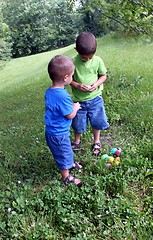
[[111, 160], [117, 161]]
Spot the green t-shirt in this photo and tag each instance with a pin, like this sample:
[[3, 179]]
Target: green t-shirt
[[87, 73]]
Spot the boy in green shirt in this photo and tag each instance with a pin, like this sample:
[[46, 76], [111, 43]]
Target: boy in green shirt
[[87, 84]]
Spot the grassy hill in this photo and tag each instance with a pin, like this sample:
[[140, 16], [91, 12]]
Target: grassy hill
[[114, 203]]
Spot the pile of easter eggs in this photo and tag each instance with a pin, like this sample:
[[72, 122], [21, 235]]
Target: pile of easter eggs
[[112, 159]]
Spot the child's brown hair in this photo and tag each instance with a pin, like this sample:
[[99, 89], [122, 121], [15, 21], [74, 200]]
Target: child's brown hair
[[86, 43], [59, 66]]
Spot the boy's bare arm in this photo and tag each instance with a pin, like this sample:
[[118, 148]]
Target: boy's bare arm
[[74, 84], [76, 107]]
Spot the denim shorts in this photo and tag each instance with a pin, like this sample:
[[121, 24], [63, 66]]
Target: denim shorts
[[93, 111], [60, 147]]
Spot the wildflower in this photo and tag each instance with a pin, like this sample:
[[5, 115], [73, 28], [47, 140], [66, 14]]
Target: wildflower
[[33, 224], [9, 210]]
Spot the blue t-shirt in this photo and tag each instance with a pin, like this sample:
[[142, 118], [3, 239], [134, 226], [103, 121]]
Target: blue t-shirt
[[58, 104]]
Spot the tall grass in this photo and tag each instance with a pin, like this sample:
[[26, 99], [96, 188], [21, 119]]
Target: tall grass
[[114, 203]]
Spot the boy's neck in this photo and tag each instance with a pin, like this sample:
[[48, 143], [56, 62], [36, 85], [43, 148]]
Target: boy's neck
[[57, 85]]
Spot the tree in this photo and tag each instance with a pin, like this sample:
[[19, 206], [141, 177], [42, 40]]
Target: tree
[[39, 25], [66, 25], [130, 16], [91, 15], [28, 23], [5, 45], [126, 16]]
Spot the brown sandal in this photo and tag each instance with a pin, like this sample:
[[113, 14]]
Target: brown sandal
[[76, 165], [96, 148], [71, 179], [76, 146]]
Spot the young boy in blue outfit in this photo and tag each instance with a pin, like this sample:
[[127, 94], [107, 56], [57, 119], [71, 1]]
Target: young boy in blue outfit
[[59, 112], [87, 85]]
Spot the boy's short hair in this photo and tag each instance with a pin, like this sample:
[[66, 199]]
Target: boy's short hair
[[59, 66], [86, 43]]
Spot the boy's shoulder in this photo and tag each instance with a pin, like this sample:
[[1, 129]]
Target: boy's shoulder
[[74, 58], [97, 58], [56, 91]]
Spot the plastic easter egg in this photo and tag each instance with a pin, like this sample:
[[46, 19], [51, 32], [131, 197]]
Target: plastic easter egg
[[113, 150], [108, 165], [105, 156], [118, 152], [111, 160], [116, 161], [89, 86]]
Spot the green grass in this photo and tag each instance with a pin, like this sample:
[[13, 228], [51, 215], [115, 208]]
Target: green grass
[[114, 203]]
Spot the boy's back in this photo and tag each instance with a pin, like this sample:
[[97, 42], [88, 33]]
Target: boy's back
[[58, 105]]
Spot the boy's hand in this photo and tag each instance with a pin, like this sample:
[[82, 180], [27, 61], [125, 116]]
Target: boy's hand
[[83, 87], [87, 88], [76, 106], [92, 87]]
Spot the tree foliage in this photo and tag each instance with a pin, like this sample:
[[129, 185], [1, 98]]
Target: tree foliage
[[28, 24], [35, 26], [64, 24], [126, 16], [5, 45], [38, 25], [91, 17]]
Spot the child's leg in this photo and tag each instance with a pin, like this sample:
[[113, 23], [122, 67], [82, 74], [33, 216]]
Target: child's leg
[[96, 134], [76, 143], [77, 137], [64, 173], [97, 145], [67, 178], [79, 125], [98, 120], [60, 154]]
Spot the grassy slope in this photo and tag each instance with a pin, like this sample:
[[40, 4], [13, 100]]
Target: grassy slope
[[20, 71], [115, 203]]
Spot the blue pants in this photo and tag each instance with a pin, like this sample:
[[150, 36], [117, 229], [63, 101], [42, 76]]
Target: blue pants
[[60, 147], [93, 111]]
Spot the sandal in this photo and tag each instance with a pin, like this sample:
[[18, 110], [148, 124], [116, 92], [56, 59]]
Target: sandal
[[76, 165], [96, 148], [71, 179], [76, 146]]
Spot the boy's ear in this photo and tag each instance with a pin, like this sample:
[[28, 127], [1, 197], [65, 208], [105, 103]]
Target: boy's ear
[[65, 77]]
